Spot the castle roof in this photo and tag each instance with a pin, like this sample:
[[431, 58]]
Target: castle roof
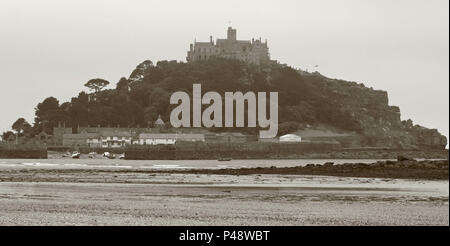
[[203, 43]]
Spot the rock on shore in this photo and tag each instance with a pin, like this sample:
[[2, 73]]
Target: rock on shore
[[406, 169]]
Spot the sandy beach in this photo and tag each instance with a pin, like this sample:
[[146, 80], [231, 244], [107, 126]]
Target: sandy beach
[[102, 197]]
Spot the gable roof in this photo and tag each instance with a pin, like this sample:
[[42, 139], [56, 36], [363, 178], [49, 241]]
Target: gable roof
[[159, 121]]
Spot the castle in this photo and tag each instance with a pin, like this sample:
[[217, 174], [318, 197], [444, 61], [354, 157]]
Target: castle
[[250, 51]]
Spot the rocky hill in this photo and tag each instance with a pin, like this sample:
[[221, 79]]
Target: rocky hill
[[306, 101], [379, 122]]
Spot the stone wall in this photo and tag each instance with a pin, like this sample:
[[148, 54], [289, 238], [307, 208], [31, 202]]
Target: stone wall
[[258, 150], [22, 154]]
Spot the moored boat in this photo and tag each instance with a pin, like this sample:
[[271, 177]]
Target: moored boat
[[76, 155]]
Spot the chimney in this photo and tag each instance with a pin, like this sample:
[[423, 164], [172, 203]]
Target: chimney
[[210, 39]]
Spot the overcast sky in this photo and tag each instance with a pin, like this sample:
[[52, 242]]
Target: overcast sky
[[51, 48]]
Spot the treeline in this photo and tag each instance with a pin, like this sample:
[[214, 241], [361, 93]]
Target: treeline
[[137, 101]]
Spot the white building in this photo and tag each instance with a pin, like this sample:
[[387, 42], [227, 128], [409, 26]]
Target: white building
[[115, 139], [109, 139], [290, 138], [168, 138]]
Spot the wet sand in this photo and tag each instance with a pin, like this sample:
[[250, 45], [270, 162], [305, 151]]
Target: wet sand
[[17, 170], [140, 198]]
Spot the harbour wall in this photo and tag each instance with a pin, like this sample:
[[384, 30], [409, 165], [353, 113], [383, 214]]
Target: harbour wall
[[205, 151]]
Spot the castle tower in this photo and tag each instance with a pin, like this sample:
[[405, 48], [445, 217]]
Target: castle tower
[[231, 34]]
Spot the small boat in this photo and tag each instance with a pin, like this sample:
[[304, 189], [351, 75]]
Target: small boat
[[76, 155], [91, 155], [109, 155], [67, 154], [122, 156], [225, 159]]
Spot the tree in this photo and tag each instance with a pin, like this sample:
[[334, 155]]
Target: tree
[[48, 114], [6, 135], [46, 109], [287, 127], [96, 84], [122, 85], [150, 115], [159, 98], [78, 111], [21, 126], [303, 112]]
